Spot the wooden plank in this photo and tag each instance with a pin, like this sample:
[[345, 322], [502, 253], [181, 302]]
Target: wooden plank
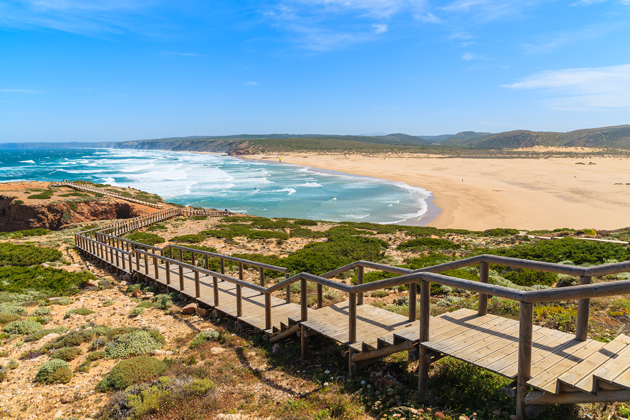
[[610, 370], [581, 375], [545, 373]]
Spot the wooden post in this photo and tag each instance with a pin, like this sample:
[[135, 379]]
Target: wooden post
[[423, 366], [222, 267], [181, 278], [239, 301], [484, 269], [123, 262], [197, 291], [319, 295], [170, 252], [138, 261], [192, 258], [267, 311], [262, 276], [303, 342], [413, 287], [215, 284], [168, 272], [207, 263], [303, 300], [352, 318], [288, 290], [240, 271], [155, 265], [360, 276], [581, 332], [130, 262], [352, 369], [146, 264], [524, 356]]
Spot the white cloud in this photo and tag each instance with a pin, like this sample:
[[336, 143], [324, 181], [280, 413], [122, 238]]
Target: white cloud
[[560, 39], [89, 17], [378, 8], [582, 89], [486, 10], [428, 18], [20, 91], [587, 2], [250, 83], [379, 28], [467, 56]]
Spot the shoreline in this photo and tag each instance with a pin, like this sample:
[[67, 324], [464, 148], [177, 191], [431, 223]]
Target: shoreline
[[431, 213], [484, 193]]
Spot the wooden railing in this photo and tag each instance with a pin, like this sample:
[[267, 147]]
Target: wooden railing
[[102, 242], [86, 187]]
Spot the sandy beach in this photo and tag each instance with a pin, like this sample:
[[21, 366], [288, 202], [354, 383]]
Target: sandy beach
[[479, 194]]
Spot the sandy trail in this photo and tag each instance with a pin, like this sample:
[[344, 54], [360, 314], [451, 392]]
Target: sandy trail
[[479, 194]]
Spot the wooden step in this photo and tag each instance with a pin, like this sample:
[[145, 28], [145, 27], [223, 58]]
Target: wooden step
[[545, 374], [615, 371]]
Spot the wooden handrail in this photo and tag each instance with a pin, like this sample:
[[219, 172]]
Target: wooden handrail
[[229, 258]]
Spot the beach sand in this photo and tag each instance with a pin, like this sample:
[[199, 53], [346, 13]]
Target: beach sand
[[479, 194]]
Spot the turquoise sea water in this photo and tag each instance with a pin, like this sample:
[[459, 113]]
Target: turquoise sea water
[[205, 180]]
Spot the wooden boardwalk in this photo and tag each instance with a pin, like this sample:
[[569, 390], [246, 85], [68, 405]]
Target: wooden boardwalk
[[560, 367]]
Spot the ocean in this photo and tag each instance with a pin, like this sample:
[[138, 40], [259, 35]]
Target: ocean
[[262, 188]]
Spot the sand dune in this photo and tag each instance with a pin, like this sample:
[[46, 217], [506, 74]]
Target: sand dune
[[517, 193]]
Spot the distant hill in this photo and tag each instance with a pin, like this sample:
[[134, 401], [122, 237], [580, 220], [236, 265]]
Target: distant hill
[[604, 137]]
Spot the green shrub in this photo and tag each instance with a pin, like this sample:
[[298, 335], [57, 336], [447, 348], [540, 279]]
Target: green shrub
[[156, 227], [162, 301], [132, 371], [133, 287], [5, 317], [18, 234], [191, 239], [84, 367], [43, 333], [54, 372], [41, 311], [145, 238], [200, 386], [78, 311], [589, 232], [76, 338], [379, 293], [203, 338], [13, 309], [13, 364], [99, 343], [238, 219], [63, 301], [49, 280], [96, 355], [423, 243], [576, 250], [26, 255], [306, 233], [133, 344], [137, 311], [145, 304], [108, 302], [46, 194], [22, 327], [67, 353], [500, 232], [305, 222], [199, 218]]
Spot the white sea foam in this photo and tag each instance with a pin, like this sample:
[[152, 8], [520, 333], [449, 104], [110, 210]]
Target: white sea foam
[[27, 161], [310, 185], [289, 190]]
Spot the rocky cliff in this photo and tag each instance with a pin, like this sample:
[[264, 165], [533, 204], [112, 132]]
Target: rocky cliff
[[15, 215]]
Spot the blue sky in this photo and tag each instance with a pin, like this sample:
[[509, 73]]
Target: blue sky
[[113, 70]]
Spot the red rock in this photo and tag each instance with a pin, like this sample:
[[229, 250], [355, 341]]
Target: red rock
[[189, 309], [202, 312]]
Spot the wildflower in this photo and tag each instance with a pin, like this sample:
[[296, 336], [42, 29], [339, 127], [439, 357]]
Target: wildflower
[[326, 371], [326, 384], [362, 382]]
